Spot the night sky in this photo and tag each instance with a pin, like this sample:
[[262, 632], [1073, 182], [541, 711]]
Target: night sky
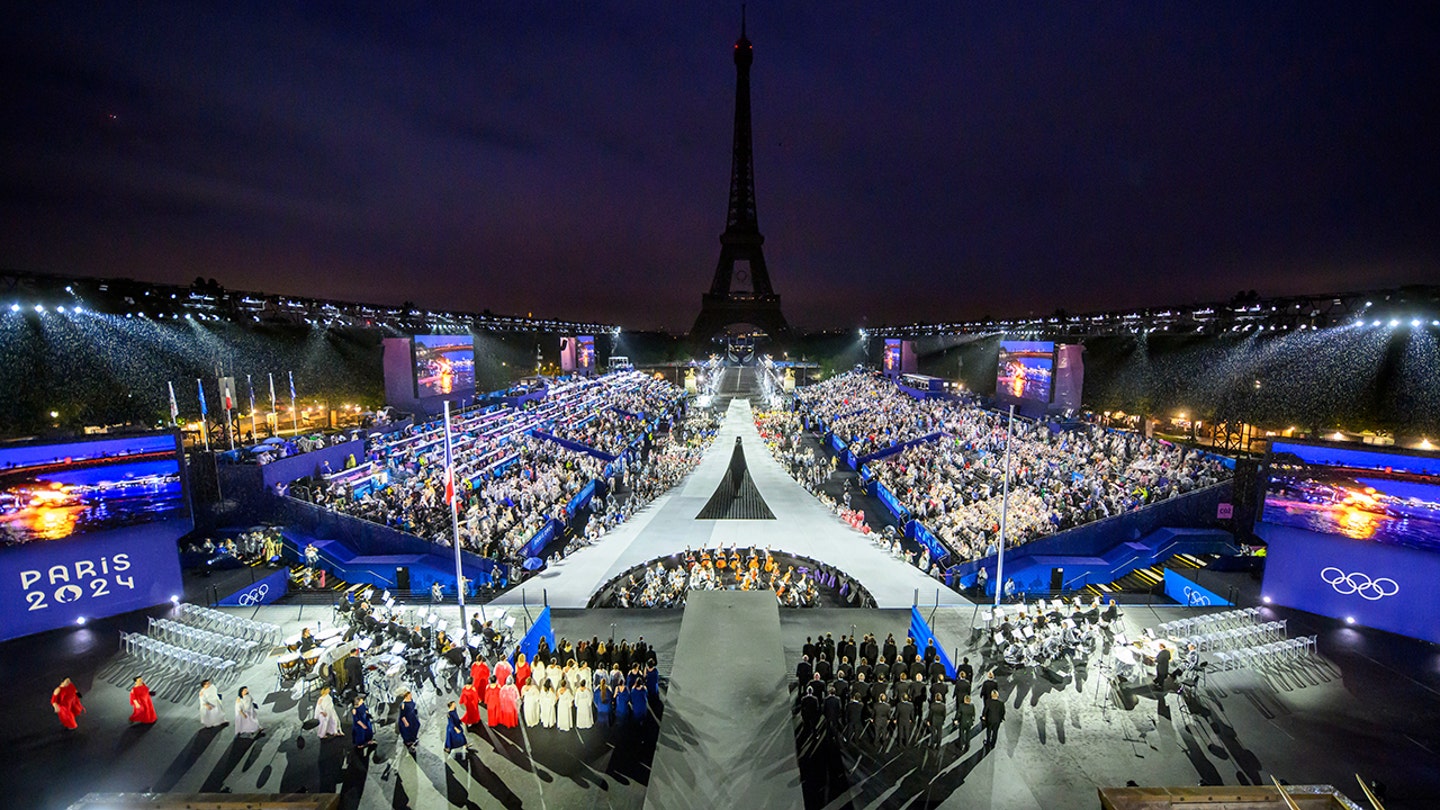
[[572, 159]]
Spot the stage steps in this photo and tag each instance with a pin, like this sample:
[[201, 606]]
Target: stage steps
[[1143, 580], [727, 738]]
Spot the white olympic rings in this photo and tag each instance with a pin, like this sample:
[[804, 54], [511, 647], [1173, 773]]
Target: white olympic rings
[[254, 596], [1362, 585], [1196, 598]]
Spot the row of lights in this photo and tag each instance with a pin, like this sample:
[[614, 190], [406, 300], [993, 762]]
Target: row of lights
[[1267, 600]]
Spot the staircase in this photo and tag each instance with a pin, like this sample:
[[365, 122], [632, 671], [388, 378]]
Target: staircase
[[1144, 580]]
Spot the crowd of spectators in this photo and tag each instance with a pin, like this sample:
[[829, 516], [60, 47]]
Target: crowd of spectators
[[954, 484]]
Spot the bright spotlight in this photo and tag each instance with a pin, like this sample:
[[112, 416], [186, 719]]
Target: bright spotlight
[[61, 308], [1394, 323], [174, 599], [1349, 619], [80, 620], [14, 307], [1265, 599], [39, 307], [1414, 321]]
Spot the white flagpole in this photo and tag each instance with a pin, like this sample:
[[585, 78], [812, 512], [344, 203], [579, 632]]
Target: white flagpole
[[452, 494], [1004, 513], [274, 409]]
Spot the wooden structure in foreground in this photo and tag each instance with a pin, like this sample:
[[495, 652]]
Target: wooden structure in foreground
[[1305, 797], [208, 801]]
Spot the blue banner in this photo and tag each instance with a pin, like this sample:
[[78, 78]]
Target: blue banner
[[921, 632], [581, 500], [260, 592], [892, 503], [922, 535], [542, 538], [530, 644], [1190, 593], [57, 583]]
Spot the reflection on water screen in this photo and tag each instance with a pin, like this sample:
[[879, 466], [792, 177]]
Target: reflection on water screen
[[1402, 510], [86, 487]]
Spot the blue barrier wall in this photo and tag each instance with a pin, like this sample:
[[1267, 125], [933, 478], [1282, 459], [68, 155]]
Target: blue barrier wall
[[891, 502], [285, 470], [54, 583], [917, 531], [1187, 592], [569, 445], [921, 632], [542, 538], [263, 592], [530, 644]]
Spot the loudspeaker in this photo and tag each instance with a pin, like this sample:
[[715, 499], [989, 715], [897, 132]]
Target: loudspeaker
[[1057, 579], [1249, 478], [402, 578]]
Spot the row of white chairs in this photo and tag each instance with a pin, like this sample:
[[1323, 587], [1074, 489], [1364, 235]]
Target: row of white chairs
[[1238, 637], [209, 642], [220, 622], [164, 659], [1188, 626], [1265, 655]]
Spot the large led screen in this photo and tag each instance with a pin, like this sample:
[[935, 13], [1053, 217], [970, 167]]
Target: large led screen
[[892, 360], [53, 491], [1026, 369], [444, 364], [585, 353], [1370, 495]]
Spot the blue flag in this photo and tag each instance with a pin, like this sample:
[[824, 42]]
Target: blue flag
[[292, 385], [203, 410]]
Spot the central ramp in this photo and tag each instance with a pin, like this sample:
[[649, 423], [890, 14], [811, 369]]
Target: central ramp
[[727, 739]]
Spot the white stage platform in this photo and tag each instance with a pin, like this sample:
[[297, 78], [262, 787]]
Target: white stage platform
[[802, 526]]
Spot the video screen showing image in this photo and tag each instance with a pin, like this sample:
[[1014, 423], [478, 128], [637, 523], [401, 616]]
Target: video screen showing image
[[585, 353], [444, 364], [1026, 369], [55, 491], [892, 356], [1374, 495]]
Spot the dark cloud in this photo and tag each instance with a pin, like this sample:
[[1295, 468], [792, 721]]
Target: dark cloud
[[931, 162]]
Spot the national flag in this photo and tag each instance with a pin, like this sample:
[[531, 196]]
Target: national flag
[[271, 375], [174, 407], [292, 385], [249, 383], [204, 411]]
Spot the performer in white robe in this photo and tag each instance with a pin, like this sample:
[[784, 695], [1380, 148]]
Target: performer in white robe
[[530, 705], [537, 674], [247, 714], [211, 715], [584, 707], [325, 713], [547, 708], [564, 708], [583, 676]]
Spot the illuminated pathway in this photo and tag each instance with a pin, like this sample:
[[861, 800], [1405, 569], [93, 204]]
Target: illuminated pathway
[[802, 526]]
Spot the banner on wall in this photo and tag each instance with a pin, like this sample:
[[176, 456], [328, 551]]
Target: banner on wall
[[261, 592], [1190, 593]]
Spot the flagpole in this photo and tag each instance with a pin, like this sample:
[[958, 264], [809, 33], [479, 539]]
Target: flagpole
[[204, 415], [174, 407], [274, 409], [1004, 513], [254, 426], [451, 496]]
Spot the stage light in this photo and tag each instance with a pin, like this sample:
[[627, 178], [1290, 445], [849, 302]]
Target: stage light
[[174, 599], [61, 308], [80, 620], [1265, 599], [1394, 323], [1374, 323], [14, 307], [1414, 321], [1349, 619], [39, 307]]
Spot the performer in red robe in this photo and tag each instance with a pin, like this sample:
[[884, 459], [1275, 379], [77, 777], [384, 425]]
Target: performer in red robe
[[509, 705], [142, 708], [480, 676], [66, 702], [492, 703], [470, 702], [522, 672], [502, 671]]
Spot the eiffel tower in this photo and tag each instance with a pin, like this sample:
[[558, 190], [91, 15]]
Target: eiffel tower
[[725, 305]]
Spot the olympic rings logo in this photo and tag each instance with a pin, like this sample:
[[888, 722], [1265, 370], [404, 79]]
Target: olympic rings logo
[[254, 596], [1196, 598], [1362, 585]]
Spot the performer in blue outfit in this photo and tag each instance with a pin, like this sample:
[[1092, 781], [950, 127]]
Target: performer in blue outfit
[[409, 722], [455, 733], [639, 704], [362, 729]]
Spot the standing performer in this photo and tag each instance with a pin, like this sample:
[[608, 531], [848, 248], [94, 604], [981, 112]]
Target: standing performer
[[547, 706], [530, 705], [564, 708], [409, 722], [480, 676], [247, 714], [492, 703], [325, 713], [509, 705], [454, 733], [142, 708], [210, 714], [65, 700], [362, 730], [470, 699], [584, 707]]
